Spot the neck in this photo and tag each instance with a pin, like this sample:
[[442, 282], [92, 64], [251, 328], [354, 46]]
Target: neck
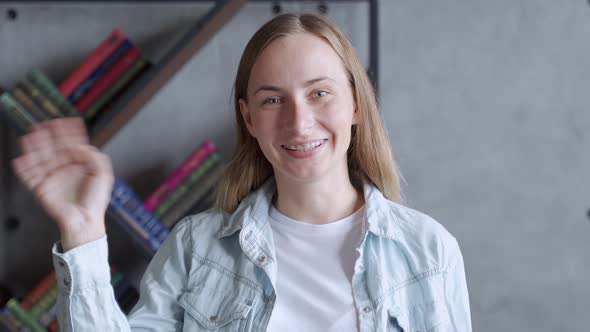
[[317, 202]]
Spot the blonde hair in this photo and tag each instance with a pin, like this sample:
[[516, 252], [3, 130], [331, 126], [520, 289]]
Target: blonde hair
[[369, 156]]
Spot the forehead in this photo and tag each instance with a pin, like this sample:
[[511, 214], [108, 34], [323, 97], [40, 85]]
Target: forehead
[[295, 59]]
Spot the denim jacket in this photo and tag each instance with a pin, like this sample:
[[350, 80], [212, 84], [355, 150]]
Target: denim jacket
[[217, 272]]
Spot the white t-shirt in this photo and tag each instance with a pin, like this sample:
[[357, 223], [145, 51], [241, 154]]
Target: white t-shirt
[[315, 267]]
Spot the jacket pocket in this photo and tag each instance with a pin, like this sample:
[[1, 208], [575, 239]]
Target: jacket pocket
[[427, 317], [214, 311]]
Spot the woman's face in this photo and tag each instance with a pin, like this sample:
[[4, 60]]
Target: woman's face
[[300, 107]]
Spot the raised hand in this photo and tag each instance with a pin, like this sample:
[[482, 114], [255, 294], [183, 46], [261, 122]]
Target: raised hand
[[69, 177]]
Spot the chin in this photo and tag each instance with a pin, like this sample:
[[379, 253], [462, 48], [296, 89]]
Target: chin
[[302, 175]]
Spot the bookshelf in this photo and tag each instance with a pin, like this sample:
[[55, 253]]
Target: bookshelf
[[19, 274], [126, 107], [120, 114]]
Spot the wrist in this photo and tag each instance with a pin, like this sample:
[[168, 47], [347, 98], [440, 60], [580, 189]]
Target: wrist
[[72, 239]]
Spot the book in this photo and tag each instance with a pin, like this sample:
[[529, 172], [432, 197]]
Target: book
[[13, 112], [49, 89], [24, 99], [46, 317], [194, 194], [40, 99], [35, 294], [116, 71], [111, 92], [204, 204], [92, 61], [14, 307], [168, 186], [44, 303], [99, 72], [53, 326], [9, 322], [140, 236], [124, 196], [194, 177]]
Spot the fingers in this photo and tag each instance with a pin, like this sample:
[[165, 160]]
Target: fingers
[[52, 144], [53, 133], [33, 171], [27, 171], [68, 131], [46, 139], [95, 162], [38, 140]]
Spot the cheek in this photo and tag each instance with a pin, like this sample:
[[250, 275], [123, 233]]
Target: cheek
[[263, 124], [339, 119]]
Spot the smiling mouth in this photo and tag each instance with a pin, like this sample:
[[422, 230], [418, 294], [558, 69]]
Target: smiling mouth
[[305, 147]]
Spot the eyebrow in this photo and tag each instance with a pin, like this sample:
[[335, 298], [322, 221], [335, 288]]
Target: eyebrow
[[308, 83]]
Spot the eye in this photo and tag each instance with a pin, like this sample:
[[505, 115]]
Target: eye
[[273, 100], [320, 93]]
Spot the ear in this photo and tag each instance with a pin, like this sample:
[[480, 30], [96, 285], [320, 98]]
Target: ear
[[246, 115]]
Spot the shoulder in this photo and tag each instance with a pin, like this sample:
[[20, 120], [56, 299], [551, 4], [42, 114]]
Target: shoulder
[[411, 222], [203, 224], [202, 234], [421, 234]]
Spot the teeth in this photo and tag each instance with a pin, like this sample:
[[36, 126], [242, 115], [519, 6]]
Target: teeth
[[305, 147]]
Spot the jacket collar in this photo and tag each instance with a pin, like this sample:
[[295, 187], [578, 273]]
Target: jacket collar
[[254, 210]]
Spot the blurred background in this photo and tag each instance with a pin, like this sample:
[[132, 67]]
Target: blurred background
[[486, 104]]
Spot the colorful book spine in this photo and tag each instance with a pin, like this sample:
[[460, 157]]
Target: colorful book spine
[[44, 303], [197, 174], [187, 166], [92, 61], [53, 326], [8, 322], [14, 307], [46, 317], [40, 99], [123, 195], [99, 72], [138, 67], [18, 127], [146, 242], [14, 112], [29, 105], [116, 71], [35, 294], [194, 195], [48, 88]]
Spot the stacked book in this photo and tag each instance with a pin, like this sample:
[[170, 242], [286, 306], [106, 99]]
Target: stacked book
[[189, 188], [88, 91], [33, 100], [126, 209], [103, 75], [36, 311]]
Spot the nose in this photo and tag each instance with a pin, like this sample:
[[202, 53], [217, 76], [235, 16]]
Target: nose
[[299, 117]]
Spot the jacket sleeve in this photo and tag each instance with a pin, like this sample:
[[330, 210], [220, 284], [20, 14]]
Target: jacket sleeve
[[456, 293], [86, 300]]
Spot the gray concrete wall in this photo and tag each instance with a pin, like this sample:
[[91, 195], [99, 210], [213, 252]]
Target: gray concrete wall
[[487, 106], [485, 102]]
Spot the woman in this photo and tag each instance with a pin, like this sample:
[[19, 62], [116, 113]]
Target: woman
[[308, 233]]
